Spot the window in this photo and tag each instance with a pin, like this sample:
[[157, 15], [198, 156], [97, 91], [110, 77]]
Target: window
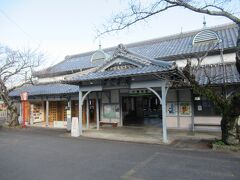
[[204, 107]]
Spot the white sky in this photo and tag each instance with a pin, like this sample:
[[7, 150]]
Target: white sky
[[64, 27]]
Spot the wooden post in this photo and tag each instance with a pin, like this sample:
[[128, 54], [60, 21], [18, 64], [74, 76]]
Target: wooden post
[[47, 113], [87, 113]]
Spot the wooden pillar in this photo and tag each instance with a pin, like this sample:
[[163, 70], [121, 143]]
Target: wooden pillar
[[80, 103], [47, 113]]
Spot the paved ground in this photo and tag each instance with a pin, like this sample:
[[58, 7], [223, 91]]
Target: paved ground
[[148, 134], [50, 154]]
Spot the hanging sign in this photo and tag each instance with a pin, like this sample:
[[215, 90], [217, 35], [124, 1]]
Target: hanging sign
[[24, 96]]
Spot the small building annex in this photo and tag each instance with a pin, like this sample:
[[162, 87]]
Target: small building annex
[[130, 85]]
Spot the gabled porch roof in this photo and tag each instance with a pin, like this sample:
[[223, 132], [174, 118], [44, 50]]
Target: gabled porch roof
[[140, 65]]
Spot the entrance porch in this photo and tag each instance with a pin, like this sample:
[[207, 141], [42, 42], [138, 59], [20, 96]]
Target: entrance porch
[[126, 70]]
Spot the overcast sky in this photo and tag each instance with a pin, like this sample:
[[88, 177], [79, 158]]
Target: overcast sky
[[65, 27]]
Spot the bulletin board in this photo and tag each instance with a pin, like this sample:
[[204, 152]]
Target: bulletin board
[[185, 108], [111, 111]]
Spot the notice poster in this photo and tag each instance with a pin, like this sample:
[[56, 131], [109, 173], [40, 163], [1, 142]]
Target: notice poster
[[111, 111], [185, 108], [172, 108]]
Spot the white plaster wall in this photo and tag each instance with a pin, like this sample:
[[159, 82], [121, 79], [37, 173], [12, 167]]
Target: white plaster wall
[[50, 79], [171, 122], [208, 60], [185, 122], [208, 119]]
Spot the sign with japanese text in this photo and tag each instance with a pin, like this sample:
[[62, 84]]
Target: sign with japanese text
[[75, 127], [24, 96]]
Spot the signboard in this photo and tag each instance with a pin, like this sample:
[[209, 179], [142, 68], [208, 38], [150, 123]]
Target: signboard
[[24, 96], [111, 111], [75, 127], [140, 92]]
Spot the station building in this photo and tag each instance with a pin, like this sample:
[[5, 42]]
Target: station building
[[132, 84]]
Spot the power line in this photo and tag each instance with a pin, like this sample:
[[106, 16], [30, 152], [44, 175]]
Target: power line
[[18, 26]]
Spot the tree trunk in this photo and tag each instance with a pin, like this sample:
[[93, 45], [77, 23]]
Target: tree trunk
[[229, 129], [12, 116], [229, 123]]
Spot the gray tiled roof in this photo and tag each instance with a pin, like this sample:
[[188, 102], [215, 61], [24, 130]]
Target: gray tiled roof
[[166, 48], [215, 72], [46, 89], [120, 73], [180, 45]]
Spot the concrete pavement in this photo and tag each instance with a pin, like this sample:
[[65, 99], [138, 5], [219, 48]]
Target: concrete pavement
[[146, 134], [50, 154]]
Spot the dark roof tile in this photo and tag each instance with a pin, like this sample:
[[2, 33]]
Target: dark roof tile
[[45, 89], [161, 48]]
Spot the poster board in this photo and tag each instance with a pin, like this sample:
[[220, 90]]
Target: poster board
[[172, 109], [111, 111], [185, 108]]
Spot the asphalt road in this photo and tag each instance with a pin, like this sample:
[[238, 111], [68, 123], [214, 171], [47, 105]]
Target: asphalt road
[[43, 154]]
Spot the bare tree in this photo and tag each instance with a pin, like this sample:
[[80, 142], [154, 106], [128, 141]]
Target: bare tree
[[228, 104], [15, 71]]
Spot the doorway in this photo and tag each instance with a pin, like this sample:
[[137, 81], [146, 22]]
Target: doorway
[[141, 110]]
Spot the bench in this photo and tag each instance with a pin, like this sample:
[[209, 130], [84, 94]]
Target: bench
[[114, 124], [206, 124]]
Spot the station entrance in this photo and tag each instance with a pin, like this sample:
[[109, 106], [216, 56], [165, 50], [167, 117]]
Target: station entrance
[[141, 111]]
